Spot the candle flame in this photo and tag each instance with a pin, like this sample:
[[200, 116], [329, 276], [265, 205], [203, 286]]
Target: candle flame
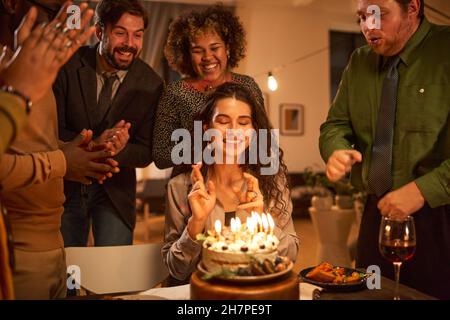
[[259, 223], [233, 225], [250, 225], [238, 224], [265, 223], [271, 222]]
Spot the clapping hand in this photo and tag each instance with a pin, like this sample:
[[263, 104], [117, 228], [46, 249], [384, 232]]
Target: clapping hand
[[115, 138], [84, 166], [42, 51]]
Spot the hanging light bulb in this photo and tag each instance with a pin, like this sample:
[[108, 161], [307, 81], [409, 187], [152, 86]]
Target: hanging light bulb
[[272, 82]]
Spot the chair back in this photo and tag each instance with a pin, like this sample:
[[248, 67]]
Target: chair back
[[117, 268]]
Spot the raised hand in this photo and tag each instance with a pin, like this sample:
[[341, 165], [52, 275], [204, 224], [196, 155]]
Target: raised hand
[[341, 162], [58, 35], [42, 51], [5, 57], [252, 199], [201, 199]]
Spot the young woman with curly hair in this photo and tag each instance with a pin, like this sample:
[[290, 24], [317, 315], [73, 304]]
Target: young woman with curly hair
[[219, 191], [204, 46]]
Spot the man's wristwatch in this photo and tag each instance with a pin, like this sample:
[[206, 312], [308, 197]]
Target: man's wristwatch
[[12, 90]]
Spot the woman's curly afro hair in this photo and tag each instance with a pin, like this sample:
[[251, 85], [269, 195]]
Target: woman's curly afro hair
[[186, 27]]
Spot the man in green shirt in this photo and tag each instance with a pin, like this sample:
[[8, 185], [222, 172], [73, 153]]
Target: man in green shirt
[[413, 94]]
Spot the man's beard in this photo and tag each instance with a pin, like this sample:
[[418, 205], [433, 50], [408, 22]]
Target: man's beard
[[111, 60]]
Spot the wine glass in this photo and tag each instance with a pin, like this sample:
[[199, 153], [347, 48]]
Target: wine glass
[[397, 243]]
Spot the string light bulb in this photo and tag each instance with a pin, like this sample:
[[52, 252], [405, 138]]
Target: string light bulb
[[272, 82]]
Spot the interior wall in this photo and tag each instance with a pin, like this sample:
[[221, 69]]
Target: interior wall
[[280, 32], [279, 35]]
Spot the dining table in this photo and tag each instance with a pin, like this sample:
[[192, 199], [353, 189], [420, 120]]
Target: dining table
[[307, 292], [386, 292]]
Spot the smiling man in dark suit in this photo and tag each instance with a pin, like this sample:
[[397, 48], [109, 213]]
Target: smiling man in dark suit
[[108, 89]]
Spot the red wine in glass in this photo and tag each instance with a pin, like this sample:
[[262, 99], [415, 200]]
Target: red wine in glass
[[397, 243], [397, 251]]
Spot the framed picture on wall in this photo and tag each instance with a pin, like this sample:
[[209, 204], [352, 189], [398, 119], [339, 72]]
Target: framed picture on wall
[[292, 119]]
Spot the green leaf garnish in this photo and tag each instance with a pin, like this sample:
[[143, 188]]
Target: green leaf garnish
[[200, 237], [222, 273]]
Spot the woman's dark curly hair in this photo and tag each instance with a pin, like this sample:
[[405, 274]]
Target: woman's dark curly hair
[[272, 186], [186, 27]]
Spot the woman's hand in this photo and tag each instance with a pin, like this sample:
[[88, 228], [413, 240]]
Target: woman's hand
[[252, 199], [42, 51], [202, 201], [5, 57]]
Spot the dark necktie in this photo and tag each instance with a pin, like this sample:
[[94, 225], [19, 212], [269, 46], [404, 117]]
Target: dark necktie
[[380, 173], [105, 97]]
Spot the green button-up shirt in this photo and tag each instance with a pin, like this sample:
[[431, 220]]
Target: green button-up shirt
[[421, 146]]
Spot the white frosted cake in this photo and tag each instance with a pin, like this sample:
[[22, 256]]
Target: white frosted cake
[[242, 262], [232, 254], [233, 249]]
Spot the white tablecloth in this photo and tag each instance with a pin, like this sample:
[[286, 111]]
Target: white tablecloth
[[307, 292]]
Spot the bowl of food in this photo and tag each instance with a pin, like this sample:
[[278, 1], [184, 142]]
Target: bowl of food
[[334, 278]]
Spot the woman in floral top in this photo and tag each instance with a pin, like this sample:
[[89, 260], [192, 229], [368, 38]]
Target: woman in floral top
[[203, 46]]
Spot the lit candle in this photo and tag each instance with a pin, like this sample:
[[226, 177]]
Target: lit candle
[[250, 225], [251, 228], [255, 220], [218, 228], [271, 223], [260, 224], [265, 223], [233, 225], [238, 224]]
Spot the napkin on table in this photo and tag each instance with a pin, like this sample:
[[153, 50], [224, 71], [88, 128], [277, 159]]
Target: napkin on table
[[309, 291], [169, 293]]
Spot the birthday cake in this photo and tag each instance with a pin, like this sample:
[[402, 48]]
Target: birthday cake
[[241, 261], [240, 249]]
